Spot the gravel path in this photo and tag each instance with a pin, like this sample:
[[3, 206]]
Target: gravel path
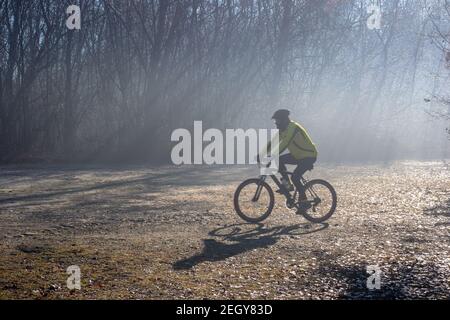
[[154, 233]]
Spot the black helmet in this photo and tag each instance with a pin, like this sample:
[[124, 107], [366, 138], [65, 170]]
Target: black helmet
[[281, 114]]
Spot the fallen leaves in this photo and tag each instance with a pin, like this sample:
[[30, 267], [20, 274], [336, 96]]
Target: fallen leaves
[[130, 231]]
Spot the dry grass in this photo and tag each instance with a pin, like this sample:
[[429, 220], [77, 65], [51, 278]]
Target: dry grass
[[154, 233]]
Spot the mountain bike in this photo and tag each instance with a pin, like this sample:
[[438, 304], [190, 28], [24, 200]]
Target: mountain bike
[[254, 199]]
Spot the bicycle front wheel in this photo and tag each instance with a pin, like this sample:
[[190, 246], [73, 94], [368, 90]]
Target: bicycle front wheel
[[323, 199], [254, 200]]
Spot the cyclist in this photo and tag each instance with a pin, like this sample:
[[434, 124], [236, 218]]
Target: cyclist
[[302, 153]]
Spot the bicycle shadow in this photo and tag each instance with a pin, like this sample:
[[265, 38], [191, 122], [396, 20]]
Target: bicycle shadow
[[257, 237]]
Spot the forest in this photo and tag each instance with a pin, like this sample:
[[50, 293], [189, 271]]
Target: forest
[[115, 89], [104, 104]]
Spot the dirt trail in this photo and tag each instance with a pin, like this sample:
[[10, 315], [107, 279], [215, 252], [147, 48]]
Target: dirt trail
[[152, 233]]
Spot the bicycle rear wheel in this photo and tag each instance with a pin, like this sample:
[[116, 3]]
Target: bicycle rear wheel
[[254, 200], [323, 199]]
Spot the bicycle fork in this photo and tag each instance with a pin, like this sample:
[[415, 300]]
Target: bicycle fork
[[258, 189]]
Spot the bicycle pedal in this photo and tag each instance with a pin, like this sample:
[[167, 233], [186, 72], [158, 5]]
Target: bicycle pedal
[[304, 206]]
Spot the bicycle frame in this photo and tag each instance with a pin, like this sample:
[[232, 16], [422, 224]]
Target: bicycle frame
[[285, 192]]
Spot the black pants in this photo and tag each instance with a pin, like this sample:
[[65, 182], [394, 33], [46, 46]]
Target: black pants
[[303, 165]]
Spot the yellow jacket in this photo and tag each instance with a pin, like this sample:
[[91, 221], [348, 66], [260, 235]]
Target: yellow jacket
[[297, 141]]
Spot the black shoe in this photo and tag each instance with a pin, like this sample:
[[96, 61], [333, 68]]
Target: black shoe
[[303, 206]]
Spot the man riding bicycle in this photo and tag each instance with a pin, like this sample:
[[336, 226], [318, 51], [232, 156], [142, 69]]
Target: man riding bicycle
[[302, 153]]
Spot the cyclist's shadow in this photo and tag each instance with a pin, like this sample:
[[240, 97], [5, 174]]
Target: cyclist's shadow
[[243, 237]]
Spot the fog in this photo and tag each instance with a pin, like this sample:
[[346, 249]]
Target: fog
[[135, 71], [130, 134]]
